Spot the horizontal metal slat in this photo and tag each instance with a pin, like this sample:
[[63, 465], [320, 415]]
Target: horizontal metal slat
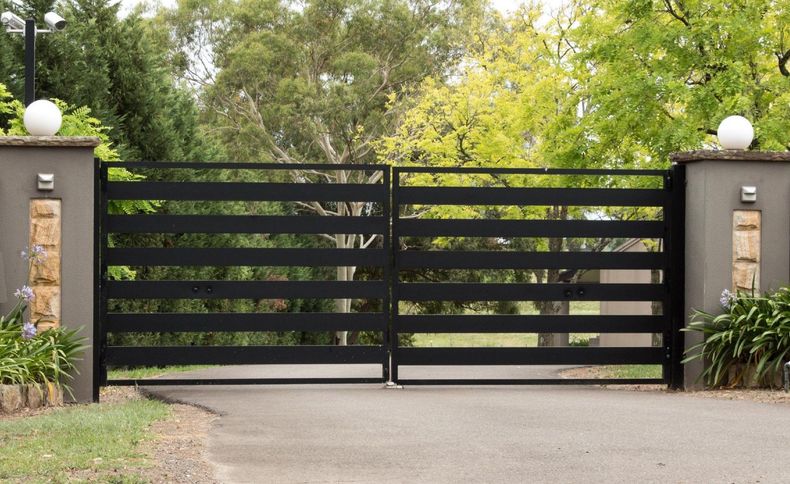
[[211, 165], [241, 355], [245, 224], [246, 191], [467, 291], [505, 323], [245, 257], [446, 259], [531, 381], [532, 196], [529, 228], [242, 381], [529, 356], [245, 289], [233, 322], [529, 171]]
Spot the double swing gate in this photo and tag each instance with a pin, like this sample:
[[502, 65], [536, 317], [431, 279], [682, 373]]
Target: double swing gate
[[445, 249]]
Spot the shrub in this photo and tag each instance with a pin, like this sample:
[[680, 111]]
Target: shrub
[[27, 356], [752, 335], [36, 358]]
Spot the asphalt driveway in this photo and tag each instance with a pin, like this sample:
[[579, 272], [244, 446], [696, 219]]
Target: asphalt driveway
[[366, 433]]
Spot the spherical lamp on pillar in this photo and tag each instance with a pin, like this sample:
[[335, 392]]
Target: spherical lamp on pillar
[[735, 133], [42, 118]]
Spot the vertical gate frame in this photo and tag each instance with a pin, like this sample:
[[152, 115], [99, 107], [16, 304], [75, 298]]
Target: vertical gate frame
[[676, 235], [387, 274], [394, 275], [98, 300]]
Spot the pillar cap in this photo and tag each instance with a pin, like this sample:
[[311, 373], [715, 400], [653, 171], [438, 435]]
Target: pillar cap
[[51, 141], [729, 155]]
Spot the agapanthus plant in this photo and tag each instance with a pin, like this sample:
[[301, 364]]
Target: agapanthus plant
[[727, 299], [36, 254], [746, 344], [30, 356], [29, 330]]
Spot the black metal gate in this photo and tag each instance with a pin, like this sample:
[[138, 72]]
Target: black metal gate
[[488, 188], [486, 191], [113, 319]]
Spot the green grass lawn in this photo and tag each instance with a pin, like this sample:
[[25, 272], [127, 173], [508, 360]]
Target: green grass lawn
[[502, 340], [630, 371], [445, 340], [78, 442], [150, 372], [505, 340]]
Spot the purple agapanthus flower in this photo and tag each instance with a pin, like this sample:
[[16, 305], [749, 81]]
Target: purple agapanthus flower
[[25, 293], [29, 330], [727, 299], [37, 253]]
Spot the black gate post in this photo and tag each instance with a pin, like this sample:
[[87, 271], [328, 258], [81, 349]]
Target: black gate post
[[395, 298], [101, 340], [98, 210], [388, 253], [676, 258]]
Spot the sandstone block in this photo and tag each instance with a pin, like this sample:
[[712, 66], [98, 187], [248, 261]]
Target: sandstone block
[[47, 271], [744, 274], [35, 395], [48, 324], [746, 219], [44, 208], [10, 398], [45, 231], [46, 304], [54, 395], [746, 245]]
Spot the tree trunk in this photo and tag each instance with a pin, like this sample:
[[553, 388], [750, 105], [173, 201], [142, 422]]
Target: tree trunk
[[552, 308], [344, 274]]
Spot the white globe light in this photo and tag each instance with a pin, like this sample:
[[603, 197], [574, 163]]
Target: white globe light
[[42, 118], [735, 133]]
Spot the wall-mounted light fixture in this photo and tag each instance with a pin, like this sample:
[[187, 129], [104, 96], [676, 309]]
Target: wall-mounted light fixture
[[748, 194], [45, 182]]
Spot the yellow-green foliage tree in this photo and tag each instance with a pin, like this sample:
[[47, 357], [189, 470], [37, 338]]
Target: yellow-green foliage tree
[[600, 84], [517, 103], [664, 73]]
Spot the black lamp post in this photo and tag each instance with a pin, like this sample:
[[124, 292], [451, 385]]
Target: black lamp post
[[30, 61], [15, 25]]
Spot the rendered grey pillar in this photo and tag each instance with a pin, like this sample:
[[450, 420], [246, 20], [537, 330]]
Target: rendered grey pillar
[[713, 194], [71, 161]]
